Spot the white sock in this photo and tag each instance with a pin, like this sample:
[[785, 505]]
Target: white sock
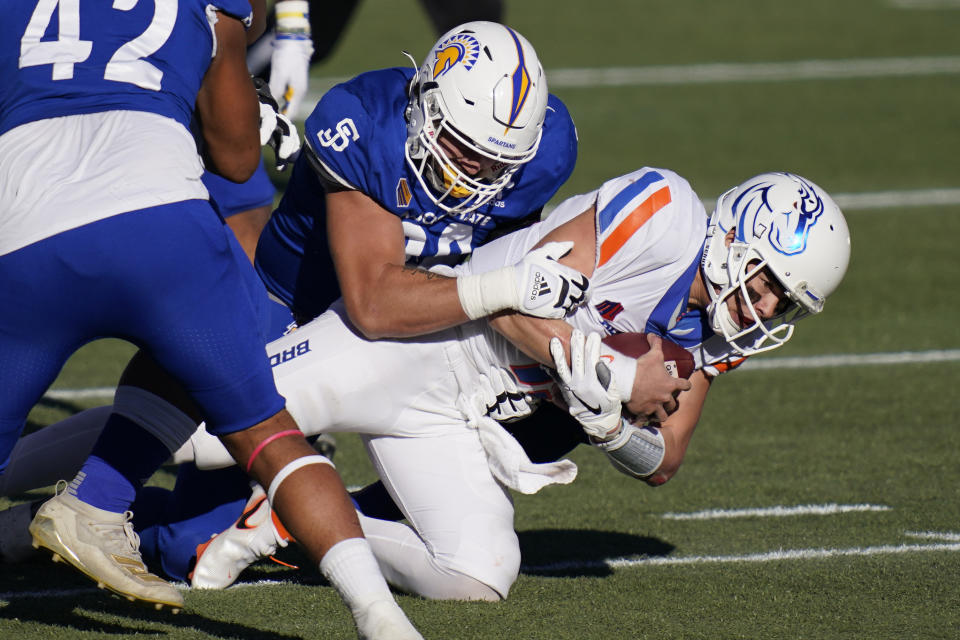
[[352, 569]]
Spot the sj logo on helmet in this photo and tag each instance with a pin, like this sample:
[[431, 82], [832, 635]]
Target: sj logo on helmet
[[461, 47], [346, 132]]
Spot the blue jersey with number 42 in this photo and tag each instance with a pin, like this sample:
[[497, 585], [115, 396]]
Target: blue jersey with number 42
[[67, 57]]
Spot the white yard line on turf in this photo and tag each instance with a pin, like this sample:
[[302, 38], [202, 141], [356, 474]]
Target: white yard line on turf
[[874, 200], [885, 199], [770, 556], [946, 536], [775, 512], [783, 554], [720, 72], [924, 4], [766, 364], [611, 563], [851, 360], [890, 199]]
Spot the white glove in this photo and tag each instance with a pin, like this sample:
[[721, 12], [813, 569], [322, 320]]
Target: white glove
[[502, 400], [587, 385], [290, 72], [538, 286], [276, 129]]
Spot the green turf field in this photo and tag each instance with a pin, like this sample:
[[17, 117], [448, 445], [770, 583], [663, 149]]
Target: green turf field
[[820, 498]]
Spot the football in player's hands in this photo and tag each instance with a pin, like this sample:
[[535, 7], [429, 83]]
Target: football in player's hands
[[678, 361]]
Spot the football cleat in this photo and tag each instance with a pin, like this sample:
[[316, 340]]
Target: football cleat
[[255, 535], [103, 546]]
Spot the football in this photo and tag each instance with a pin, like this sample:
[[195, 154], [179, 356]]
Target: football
[[678, 360]]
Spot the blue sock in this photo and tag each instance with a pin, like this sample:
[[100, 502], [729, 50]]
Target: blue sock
[[124, 457]]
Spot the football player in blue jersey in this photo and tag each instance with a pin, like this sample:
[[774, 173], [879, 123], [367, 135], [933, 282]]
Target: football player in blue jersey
[[102, 203], [405, 168]]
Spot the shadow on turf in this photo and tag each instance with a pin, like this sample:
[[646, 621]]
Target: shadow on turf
[[84, 613], [582, 552], [77, 606], [545, 552]]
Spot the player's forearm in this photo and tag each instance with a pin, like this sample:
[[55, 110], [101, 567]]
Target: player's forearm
[[403, 302], [678, 429], [259, 24], [227, 109], [532, 335], [674, 450]]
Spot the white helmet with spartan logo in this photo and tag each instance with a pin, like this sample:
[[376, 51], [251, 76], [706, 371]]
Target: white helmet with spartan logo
[[481, 85]]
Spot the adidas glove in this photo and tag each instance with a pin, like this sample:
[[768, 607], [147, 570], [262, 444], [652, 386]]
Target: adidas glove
[[587, 385], [538, 286]]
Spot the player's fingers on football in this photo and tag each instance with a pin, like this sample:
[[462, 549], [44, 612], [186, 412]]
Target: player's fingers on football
[[671, 405], [656, 343], [659, 414]]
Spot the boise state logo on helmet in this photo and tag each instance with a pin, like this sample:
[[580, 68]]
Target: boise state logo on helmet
[[461, 48], [792, 214]]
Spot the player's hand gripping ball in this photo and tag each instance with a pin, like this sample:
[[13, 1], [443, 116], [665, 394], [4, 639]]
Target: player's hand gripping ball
[[676, 359]]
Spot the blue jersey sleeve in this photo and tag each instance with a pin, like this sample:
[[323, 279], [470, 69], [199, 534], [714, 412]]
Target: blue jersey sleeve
[[357, 131], [59, 60], [541, 178]]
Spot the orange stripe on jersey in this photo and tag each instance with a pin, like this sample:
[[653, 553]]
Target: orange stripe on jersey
[[632, 222]]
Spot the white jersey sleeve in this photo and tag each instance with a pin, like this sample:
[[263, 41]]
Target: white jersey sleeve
[[650, 227]]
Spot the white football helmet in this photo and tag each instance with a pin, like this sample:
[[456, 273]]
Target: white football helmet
[[482, 85], [790, 226]]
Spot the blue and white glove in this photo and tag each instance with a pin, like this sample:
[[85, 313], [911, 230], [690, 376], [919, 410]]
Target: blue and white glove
[[276, 129], [538, 286], [290, 62], [587, 385]]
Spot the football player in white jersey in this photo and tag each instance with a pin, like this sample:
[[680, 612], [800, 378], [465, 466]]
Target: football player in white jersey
[[724, 288]]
